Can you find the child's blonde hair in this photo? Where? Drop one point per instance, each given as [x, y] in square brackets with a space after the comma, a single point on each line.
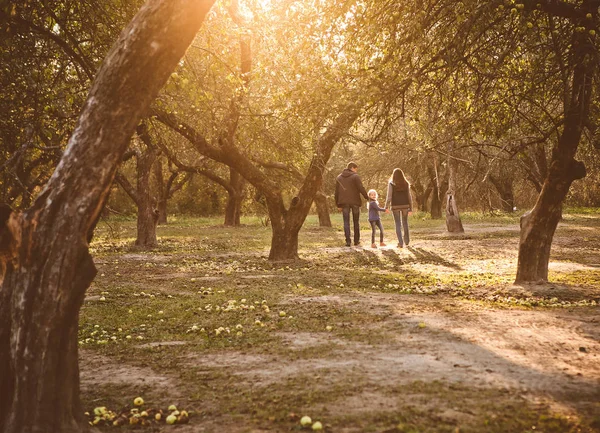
[369, 195]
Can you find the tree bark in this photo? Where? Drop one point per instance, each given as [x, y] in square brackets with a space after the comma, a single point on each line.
[161, 192]
[504, 186]
[322, 209]
[284, 243]
[538, 225]
[436, 202]
[46, 265]
[147, 214]
[233, 209]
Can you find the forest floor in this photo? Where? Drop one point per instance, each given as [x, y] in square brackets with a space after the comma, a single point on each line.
[430, 338]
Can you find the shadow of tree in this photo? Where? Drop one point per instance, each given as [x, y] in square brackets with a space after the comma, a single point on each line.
[424, 256]
[394, 257]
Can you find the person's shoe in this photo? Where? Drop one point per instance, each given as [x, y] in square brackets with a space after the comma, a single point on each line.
[357, 244]
[348, 244]
[373, 245]
[400, 246]
[382, 244]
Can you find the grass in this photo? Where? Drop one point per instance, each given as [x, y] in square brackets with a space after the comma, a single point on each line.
[209, 291]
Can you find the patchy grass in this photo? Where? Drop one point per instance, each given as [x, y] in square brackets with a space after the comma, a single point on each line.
[430, 338]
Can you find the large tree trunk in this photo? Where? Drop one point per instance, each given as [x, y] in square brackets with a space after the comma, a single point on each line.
[286, 225]
[453, 222]
[284, 243]
[46, 265]
[322, 209]
[538, 225]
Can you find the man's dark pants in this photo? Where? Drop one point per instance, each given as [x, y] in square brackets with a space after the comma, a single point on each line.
[355, 214]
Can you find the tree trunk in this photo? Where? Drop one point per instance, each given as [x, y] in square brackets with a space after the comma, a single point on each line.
[45, 262]
[286, 226]
[147, 214]
[233, 209]
[434, 182]
[425, 198]
[322, 209]
[161, 192]
[161, 208]
[504, 186]
[422, 195]
[538, 226]
[235, 197]
[453, 222]
[436, 203]
[284, 243]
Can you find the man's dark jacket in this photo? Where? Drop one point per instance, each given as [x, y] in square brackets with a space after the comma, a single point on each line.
[348, 189]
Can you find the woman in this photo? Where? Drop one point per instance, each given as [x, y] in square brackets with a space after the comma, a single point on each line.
[399, 200]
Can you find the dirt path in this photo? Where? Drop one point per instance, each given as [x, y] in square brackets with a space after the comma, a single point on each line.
[547, 355]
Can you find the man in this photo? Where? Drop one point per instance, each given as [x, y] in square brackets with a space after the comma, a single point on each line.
[348, 189]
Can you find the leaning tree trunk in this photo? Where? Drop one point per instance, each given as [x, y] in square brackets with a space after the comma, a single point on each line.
[322, 209]
[538, 225]
[286, 223]
[453, 222]
[45, 262]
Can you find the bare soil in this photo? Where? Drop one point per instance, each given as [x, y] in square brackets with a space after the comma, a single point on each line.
[447, 359]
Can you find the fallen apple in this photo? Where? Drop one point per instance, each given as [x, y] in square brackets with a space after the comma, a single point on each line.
[305, 421]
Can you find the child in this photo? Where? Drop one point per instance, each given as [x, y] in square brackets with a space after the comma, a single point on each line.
[374, 219]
